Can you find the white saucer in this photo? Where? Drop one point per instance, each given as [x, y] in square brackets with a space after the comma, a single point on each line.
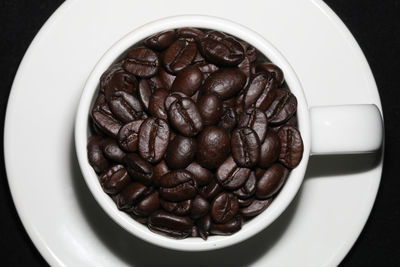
[62, 218]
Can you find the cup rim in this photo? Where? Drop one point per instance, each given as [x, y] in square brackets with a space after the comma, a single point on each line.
[250, 228]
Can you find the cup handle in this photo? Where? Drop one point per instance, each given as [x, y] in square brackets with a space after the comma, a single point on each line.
[345, 129]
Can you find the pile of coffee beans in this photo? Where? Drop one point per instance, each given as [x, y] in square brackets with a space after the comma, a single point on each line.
[194, 132]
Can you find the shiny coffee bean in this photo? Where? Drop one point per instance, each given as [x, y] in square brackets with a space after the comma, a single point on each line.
[172, 97]
[224, 82]
[177, 185]
[159, 170]
[201, 175]
[203, 225]
[271, 181]
[144, 93]
[224, 207]
[259, 173]
[179, 55]
[195, 97]
[119, 81]
[228, 118]
[291, 146]
[256, 207]
[245, 67]
[256, 120]
[188, 81]
[166, 78]
[271, 68]
[108, 74]
[245, 202]
[200, 207]
[257, 91]
[228, 228]
[112, 151]
[178, 208]
[180, 152]
[156, 104]
[147, 205]
[195, 231]
[206, 68]
[161, 40]
[185, 117]
[213, 147]
[221, 49]
[169, 224]
[139, 169]
[282, 107]
[105, 120]
[114, 179]
[270, 150]
[189, 33]
[245, 147]
[128, 136]
[153, 139]
[95, 154]
[250, 51]
[248, 189]
[125, 106]
[210, 107]
[211, 190]
[142, 62]
[231, 176]
[130, 195]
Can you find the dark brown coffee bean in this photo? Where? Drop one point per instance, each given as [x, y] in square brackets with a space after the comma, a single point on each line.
[178, 208]
[224, 207]
[271, 68]
[153, 139]
[166, 78]
[256, 207]
[206, 68]
[95, 154]
[185, 117]
[213, 147]
[258, 90]
[271, 181]
[228, 228]
[250, 51]
[189, 33]
[256, 120]
[125, 106]
[159, 170]
[169, 224]
[179, 55]
[245, 66]
[228, 118]
[211, 190]
[291, 146]
[108, 74]
[245, 147]
[225, 82]
[210, 107]
[259, 173]
[142, 62]
[180, 152]
[161, 40]
[282, 107]
[230, 176]
[130, 195]
[128, 136]
[156, 104]
[104, 119]
[270, 150]
[200, 174]
[195, 231]
[245, 202]
[177, 185]
[112, 151]
[188, 81]
[139, 169]
[200, 207]
[203, 225]
[114, 179]
[171, 98]
[144, 93]
[221, 49]
[248, 189]
[147, 205]
[119, 81]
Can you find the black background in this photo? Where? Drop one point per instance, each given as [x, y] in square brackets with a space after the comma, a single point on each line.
[375, 25]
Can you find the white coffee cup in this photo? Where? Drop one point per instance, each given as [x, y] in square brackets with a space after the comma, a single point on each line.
[325, 130]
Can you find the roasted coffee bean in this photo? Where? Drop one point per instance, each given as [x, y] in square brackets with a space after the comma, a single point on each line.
[258, 90]
[256, 120]
[125, 106]
[142, 62]
[198, 58]
[270, 150]
[282, 107]
[195, 97]
[185, 117]
[228, 228]
[271, 68]
[211, 190]
[231, 176]
[128, 136]
[95, 154]
[291, 146]
[169, 224]
[130, 195]
[248, 189]
[166, 78]
[195, 231]
[144, 93]
[108, 74]
[213, 147]
[245, 147]
[259, 173]
[105, 120]
[153, 139]
[180, 152]
[224, 82]
[228, 118]
[201, 175]
[221, 49]
[245, 202]
[179, 55]
[172, 97]
[112, 151]
[178, 208]
[200, 207]
[271, 181]
[139, 169]
[189, 33]
[118, 81]
[256, 207]
[114, 179]
[156, 104]
[224, 207]
[206, 68]
[210, 107]
[159, 170]
[177, 185]
[161, 40]
[250, 51]
[147, 205]
[239, 105]
[245, 67]
[188, 81]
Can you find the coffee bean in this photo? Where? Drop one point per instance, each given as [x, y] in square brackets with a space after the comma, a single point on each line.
[210, 107]
[259, 173]
[185, 117]
[245, 147]
[245, 202]
[172, 97]
[231, 176]
[166, 78]
[256, 120]
[201, 175]
[125, 106]
[228, 118]
[147, 205]
[224, 207]
[250, 51]
[258, 90]
[211, 190]
[178, 208]
[159, 170]
[200, 207]
[161, 40]
[119, 81]
[206, 68]
[95, 154]
[144, 93]
[169, 224]
[213, 147]
[139, 169]
[224, 82]
[188, 81]
[108, 74]
[156, 104]
[282, 107]
[195, 231]
[189, 33]
[203, 225]
[248, 189]
[271, 181]
[142, 62]
[245, 67]
[114, 179]
[270, 150]
[228, 228]
[128, 136]
[177, 185]
[112, 151]
[271, 68]
[291, 146]
[130, 195]
[105, 120]
[256, 207]
[179, 55]
[180, 152]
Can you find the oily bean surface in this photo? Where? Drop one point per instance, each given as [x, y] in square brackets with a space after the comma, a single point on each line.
[271, 181]
[112, 151]
[125, 107]
[224, 207]
[248, 189]
[95, 154]
[185, 117]
[188, 81]
[282, 107]
[291, 146]
[160, 41]
[201, 175]
[142, 62]
[179, 55]
[255, 207]
[270, 150]
[225, 82]
[114, 179]
[177, 185]
[210, 108]
[169, 224]
[180, 152]
[139, 169]
[271, 68]
[231, 176]
[228, 228]
[245, 147]
[128, 136]
[256, 120]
